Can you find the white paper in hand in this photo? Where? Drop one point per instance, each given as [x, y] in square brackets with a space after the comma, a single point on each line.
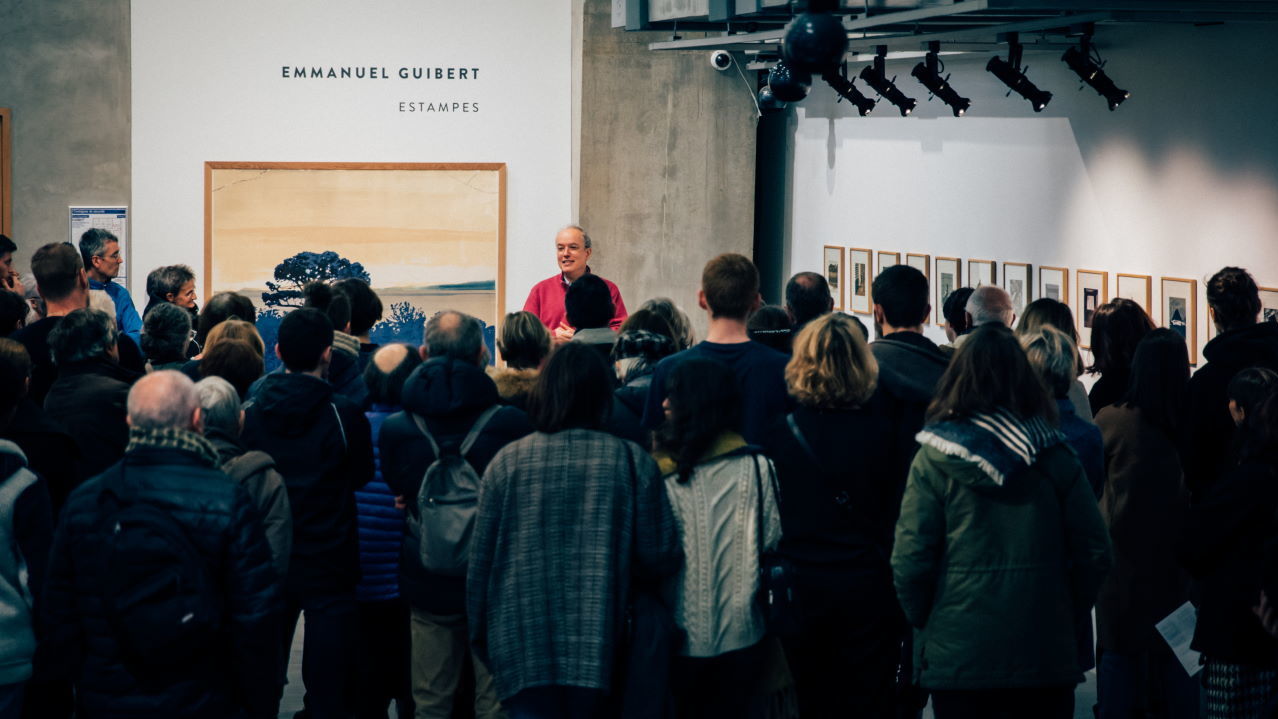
[1178, 631]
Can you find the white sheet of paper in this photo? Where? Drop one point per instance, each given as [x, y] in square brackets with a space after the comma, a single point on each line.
[1178, 631]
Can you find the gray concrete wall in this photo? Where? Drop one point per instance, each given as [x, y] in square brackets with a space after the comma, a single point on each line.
[667, 162]
[64, 71]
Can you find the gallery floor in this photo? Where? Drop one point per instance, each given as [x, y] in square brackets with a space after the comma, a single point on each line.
[1084, 698]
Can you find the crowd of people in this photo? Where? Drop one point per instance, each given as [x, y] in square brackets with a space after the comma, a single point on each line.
[792, 517]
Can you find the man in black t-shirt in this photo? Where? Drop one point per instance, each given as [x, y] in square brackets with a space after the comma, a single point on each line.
[729, 293]
[60, 279]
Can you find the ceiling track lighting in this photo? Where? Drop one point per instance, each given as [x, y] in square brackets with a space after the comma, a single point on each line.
[876, 77]
[1013, 75]
[848, 91]
[1086, 63]
[928, 72]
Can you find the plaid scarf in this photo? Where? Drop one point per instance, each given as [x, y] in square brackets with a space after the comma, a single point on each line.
[1000, 443]
[180, 439]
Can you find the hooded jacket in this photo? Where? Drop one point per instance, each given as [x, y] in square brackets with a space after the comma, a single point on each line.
[322, 446]
[449, 395]
[255, 471]
[994, 568]
[1209, 426]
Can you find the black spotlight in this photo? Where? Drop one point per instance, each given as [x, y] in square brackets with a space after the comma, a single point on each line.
[787, 83]
[928, 72]
[815, 42]
[1085, 63]
[876, 77]
[1013, 75]
[847, 91]
[767, 101]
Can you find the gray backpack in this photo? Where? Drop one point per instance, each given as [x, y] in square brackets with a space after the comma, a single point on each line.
[447, 502]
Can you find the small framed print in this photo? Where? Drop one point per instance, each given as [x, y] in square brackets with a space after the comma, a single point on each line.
[1137, 288]
[981, 272]
[886, 260]
[1053, 283]
[1268, 304]
[1018, 281]
[922, 263]
[832, 265]
[860, 272]
[949, 277]
[1093, 291]
[1179, 311]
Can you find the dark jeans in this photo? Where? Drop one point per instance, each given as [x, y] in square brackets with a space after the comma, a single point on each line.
[557, 703]
[722, 686]
[385, 647]
[1038, 702]
[328, 651]
[1148, 684]
[844, 658]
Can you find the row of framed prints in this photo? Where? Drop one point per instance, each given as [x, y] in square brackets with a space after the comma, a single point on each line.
[1178, 308]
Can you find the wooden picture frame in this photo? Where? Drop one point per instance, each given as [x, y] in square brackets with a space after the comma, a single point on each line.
[949, 277]
[6, 171]
[982, 272]
[885, 259]
[832, 267]
[920, 262]
[1137, 288]
[1018, 282]
[1268, 304]
[1179, 310]
[1093, 291]
[426, 236]
[1053, 283]
[860, 277]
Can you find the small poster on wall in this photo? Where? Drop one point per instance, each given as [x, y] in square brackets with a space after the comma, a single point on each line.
[1053, 283]
[1180, 311]
[949, 277]
[860, 266]
[886, 260]
[1093, 291]
[1136, 288]
[112, 219]
[1268, 304]
[981, 272]
[832, 265]
[1019, 283]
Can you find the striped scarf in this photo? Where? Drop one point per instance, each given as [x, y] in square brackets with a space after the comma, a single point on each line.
[1000, 443]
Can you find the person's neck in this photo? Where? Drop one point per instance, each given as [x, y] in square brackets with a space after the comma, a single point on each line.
[573, 278]
[317, 373]
[890, 330]
[727, 331]
[65, 306]
[100, 279]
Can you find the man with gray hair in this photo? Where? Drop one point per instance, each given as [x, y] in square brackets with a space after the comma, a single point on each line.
[252, 469]
[164, 511]
[88, 396]
[100, 251]
[546, 300]
[990, 304]
[450, 396]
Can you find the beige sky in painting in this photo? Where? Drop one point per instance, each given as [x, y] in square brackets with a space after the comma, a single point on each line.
[408, 227]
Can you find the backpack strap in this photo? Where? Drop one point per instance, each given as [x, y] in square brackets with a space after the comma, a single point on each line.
[341, 428]
[803, 441]
[471, 436]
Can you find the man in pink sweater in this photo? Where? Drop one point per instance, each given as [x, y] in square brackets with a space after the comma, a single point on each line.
[546, 300]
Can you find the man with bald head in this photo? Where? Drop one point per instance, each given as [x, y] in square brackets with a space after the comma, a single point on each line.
[989, 304]
[109, 539]
[449, 396]
[321, 444]
[546, 300]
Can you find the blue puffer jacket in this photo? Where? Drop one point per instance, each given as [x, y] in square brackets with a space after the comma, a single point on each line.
[381, 526]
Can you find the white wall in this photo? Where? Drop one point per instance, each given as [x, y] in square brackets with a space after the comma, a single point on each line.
[207, 86]
[1179, 181]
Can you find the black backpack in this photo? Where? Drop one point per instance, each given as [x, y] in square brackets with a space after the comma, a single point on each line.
[158, 593]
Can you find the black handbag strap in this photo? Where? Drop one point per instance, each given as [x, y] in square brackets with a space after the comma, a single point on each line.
[840, 496]
[776, 494]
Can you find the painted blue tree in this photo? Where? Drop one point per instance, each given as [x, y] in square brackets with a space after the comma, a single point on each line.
[292, 274]
[405, 324]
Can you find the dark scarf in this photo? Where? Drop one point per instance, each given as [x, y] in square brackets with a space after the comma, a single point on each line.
[1000, 443]
[179, 439]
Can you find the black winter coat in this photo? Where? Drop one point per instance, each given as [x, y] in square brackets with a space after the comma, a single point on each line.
[1210, 429]
[1223, 549]
[90, 399]
[50, 450]
[449, 395]
[322, 445]
[240, 679]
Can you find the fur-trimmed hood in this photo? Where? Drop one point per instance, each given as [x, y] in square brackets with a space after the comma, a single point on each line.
[513, 382]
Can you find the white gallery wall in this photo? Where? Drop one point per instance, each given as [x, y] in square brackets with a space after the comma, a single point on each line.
[1179, 181]
[208, 85]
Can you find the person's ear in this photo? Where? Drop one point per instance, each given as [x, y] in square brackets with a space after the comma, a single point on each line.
[241, 420]
[967, 320]
[277, 352]
[701, 300]
[758, 302]
[197, 421]
[877, 311]
[326, 357]
[170, 296]
[422, 351]
[927, 313]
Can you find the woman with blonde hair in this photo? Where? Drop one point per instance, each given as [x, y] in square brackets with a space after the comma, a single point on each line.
[839, 494]
[1047, 312]
[226, 330]
[524, 344]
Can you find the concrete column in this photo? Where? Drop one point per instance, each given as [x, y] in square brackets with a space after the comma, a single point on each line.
[667, 162]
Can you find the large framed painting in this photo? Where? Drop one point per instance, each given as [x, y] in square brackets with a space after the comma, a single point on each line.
[426, 237]
[1180, 311]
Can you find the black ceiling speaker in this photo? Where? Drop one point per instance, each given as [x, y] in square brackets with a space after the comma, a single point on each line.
[815, 42]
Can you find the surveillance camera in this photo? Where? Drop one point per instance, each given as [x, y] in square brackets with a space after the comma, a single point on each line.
[721, 60]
